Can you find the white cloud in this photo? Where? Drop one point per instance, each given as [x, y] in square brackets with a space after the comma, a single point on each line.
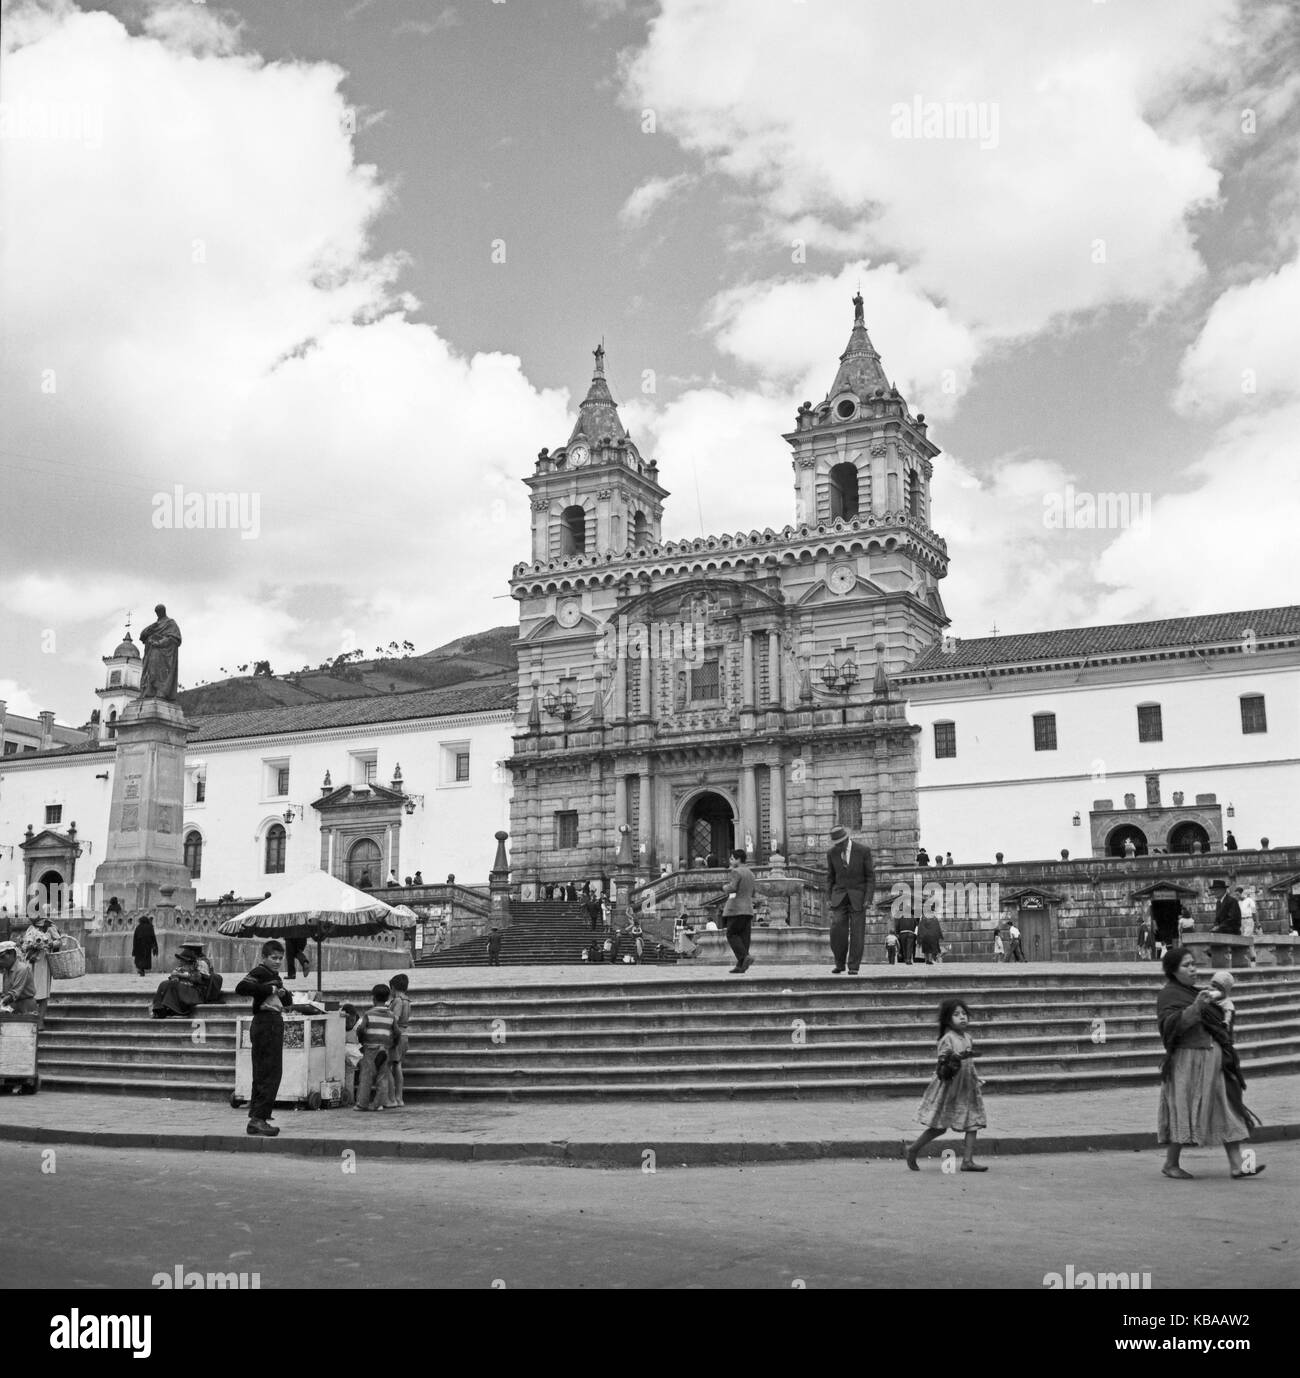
[1248, 351]
[18, 700]
[649, 196]
[802, 109]
[792, 332]
[201, 288]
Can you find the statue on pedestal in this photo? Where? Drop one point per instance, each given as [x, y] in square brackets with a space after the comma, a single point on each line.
[158, 675]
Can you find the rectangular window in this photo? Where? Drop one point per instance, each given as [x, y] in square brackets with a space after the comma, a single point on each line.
[371, 772]
[1044, 731]
[114, 677]
[566, 829]
[945, 739]
[706, 682]
[848, 809]
[1150, 728]
[53, 814]
[200, 789]
[282, 779]
[462, 766]
[1252, 713]
[453, 763]
[11, 748]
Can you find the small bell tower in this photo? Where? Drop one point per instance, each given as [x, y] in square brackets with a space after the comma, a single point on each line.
[121, 685]
[595, 495]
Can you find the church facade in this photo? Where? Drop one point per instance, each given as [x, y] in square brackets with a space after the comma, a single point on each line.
[731, 690]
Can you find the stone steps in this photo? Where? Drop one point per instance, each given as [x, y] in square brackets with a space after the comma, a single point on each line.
[548, 933]
[693, 1037]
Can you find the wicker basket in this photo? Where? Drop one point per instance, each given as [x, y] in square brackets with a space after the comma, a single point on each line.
[69, 962]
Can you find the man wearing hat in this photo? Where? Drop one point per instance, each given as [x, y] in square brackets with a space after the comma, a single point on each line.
[851, 885]
[18, 995]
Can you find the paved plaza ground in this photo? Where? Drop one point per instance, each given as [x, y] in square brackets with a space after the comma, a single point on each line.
[102, 1219]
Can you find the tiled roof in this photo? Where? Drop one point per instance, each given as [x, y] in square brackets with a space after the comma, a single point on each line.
[378, 708]
[307, 717]
[1124, 638]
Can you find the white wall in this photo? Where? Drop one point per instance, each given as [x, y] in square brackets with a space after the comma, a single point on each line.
[451, 831]
[999, 794]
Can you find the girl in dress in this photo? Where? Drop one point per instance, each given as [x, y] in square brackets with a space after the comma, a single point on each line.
[953, 1100]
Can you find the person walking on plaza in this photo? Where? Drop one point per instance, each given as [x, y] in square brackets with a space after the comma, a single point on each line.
[851, 886]
[954, 1099]
[906, 930]
[891, 948]
[1200, 1082]
[270, 1000]
[494, 947]
[18, 993]
[595, 914]
[1227, 918]
[144, 945]
[1248, 911]
[738, 911]
[931, 934]
[39, 941]
[999, 952]
[1015, 952]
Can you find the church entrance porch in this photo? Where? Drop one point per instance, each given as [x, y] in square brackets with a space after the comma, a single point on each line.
[708, 830]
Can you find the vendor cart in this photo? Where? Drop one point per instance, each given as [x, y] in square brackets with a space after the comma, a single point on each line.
[313, 1075]
[18, 1039]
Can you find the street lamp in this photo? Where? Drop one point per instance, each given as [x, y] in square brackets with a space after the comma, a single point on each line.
[839, 679]
[560, 705]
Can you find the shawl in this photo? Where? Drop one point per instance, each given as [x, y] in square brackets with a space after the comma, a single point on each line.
[1170, 1004]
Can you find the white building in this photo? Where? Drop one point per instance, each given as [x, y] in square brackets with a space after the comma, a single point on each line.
[416, 782]
[1169, 732]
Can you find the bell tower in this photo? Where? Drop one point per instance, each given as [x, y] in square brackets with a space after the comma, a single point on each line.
[595, 495]
[861, 452]
[121, 685]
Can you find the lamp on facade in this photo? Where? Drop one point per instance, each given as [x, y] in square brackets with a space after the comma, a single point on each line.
[1232, 813]
[841, 678]
[411, 801]
[560, 705]
[292, 812]
[1078, 822]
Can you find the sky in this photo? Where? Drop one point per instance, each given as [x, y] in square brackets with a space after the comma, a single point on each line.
[347, 259]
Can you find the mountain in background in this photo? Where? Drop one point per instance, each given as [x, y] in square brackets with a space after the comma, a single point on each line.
[483, 658]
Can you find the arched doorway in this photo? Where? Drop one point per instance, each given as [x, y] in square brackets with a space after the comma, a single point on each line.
[709, 825]
[51, 892]
[1185, 836]
[364, 860]
[1115, 842]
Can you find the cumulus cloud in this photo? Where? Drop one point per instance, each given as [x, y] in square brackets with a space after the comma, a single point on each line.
[197, 303]
[785, 330]
[1248, 351]
[1042, 186]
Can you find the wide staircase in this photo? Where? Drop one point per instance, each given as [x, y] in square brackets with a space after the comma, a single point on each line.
[548, 933]
[700, 1038]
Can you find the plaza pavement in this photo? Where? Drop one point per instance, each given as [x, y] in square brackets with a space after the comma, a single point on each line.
[612, 1133]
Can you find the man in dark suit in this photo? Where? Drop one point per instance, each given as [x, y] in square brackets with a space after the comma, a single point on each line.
[851, 886]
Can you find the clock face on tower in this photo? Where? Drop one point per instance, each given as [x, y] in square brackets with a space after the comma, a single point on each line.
[578, 455]
[842, 579]
[568, 613]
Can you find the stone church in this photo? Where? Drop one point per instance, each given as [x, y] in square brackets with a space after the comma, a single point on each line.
[730, 690]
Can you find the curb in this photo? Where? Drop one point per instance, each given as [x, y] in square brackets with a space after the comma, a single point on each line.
[578, 1153]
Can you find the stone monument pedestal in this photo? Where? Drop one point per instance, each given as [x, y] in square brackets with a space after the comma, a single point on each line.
[145, 848]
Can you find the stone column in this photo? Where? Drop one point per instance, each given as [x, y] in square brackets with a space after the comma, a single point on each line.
[647, 819]
[778, 809]
[747, 670]
[620, 688]
[774, 668]
[620, 801]
[648, 663]
[748, 808]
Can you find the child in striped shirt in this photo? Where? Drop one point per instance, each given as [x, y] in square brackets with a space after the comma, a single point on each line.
[400, 1004]
[377, 1030]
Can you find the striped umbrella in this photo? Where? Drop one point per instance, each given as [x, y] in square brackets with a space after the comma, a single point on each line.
[315, 906]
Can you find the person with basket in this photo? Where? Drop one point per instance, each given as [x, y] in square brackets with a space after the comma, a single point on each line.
[40, 940]
[954, 1099]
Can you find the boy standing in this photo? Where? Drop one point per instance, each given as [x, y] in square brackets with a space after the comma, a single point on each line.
[377, 1030]
[270, 999]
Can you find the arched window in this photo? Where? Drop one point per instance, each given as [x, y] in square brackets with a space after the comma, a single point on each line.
[363, 863]
[640, 531]
[573, 531]
[844, 491]
[112, 722]
[914, 495]
[194, 855]
[275, 850]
